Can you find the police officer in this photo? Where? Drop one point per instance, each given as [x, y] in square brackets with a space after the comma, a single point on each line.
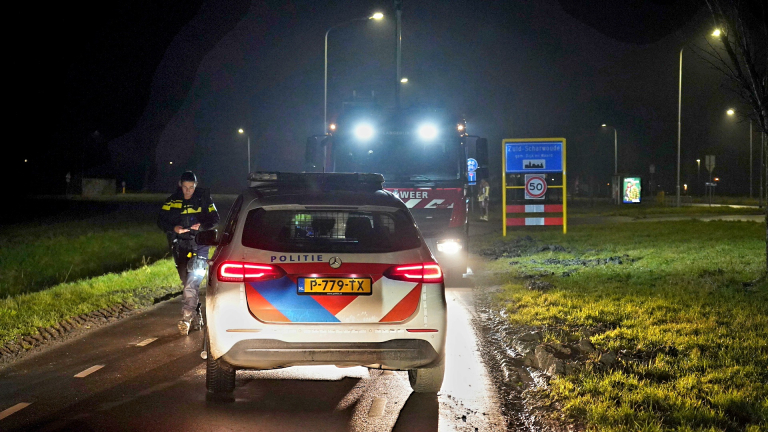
[184, 213]
[484, 197]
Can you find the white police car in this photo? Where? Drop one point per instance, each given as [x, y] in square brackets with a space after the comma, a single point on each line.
[323, 269]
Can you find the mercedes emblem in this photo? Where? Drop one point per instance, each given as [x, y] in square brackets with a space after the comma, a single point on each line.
[335, 262]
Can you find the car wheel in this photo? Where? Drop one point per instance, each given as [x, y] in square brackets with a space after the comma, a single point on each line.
[219, 375]
[429, 379]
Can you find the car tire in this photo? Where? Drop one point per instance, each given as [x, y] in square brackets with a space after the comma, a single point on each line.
[429, 379]
[219, 375]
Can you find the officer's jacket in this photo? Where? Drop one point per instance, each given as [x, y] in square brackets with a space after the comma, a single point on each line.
[178, 211]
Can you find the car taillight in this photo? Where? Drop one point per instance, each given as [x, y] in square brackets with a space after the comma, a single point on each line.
[426, 272]
[234, 271]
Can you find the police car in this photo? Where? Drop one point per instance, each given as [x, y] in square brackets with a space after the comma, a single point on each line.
[323, 269]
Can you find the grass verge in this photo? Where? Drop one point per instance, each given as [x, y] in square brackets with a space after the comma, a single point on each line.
[33, 258]
[24, 314]
[679, 306]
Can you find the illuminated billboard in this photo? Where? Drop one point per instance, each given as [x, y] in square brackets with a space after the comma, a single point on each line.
[631, 190]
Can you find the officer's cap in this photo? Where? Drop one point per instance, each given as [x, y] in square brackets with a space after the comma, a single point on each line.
[188, 176]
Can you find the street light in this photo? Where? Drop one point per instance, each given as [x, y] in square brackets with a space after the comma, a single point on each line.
[241, 131]
[716, 33]
[698, 173]
[376, 16]
[615, 158]
[615, 146]
[731, 112]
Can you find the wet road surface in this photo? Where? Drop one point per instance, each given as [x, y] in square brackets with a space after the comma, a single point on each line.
[139, 374]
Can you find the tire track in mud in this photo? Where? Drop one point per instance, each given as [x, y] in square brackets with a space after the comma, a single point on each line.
[505, 364]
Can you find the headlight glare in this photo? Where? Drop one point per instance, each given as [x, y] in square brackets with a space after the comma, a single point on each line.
[449, 246]
[363, 131]
[427, 132]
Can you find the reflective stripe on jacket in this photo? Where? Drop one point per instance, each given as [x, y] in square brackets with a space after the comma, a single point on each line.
[178, 211]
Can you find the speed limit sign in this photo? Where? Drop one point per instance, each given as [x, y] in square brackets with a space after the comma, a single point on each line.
[535, 186]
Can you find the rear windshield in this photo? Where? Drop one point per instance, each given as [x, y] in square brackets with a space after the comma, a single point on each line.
[330, 231]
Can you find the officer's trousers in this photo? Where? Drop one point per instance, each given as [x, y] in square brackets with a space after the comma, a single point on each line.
[191, 266]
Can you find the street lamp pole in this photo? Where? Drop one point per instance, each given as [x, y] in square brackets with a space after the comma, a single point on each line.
[376, 16]
[249, 149]
[615, 154]
[679, 123]
[398, 47]
[731, 112]
[698, 174]
[715, 33]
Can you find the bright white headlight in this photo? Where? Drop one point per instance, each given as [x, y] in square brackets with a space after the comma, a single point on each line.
[363, 131]
[448, 246]
[427, 132]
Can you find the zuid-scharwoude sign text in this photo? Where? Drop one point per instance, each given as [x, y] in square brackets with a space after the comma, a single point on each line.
[535, 156]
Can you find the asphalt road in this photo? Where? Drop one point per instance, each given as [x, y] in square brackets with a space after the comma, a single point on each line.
[139, 374]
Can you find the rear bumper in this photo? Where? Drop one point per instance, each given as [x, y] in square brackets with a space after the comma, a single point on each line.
[271, 353]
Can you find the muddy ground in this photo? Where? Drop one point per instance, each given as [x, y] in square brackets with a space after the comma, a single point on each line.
[520, 363]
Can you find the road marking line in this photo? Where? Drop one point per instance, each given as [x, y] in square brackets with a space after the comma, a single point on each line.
[377, 407]
[14, 409]
[146, 342]
[89, 371]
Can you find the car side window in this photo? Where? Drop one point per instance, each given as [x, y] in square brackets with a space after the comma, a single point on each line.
[231, 224]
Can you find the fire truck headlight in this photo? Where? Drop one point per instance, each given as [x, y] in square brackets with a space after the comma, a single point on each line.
[363, 131]
[427, 132]
[449, 246]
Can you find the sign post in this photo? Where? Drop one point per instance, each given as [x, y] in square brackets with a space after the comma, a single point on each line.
[535, 165]
[709, 163]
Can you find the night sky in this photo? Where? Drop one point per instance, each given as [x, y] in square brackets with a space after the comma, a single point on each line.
[120, 90]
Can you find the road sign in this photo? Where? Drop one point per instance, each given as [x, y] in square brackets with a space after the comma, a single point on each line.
[709, 162]
[472, 177]
[535, 187]
[471, 165]
[534, 156]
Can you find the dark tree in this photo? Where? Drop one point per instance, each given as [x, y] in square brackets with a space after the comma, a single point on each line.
[744, 59]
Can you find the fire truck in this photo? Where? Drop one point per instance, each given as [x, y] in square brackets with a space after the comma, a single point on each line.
[428, 160]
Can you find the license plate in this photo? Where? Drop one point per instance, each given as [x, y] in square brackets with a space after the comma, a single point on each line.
[334, 286]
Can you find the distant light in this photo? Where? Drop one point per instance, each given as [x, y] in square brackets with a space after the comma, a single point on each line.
[364, 131]
[717, 178]
[377, 16]
[698, 160]
[716, 33]
[170, 163]
[26, 160]
[460, 127]
[605, 125]
[403, 80]
[730, 112]
[427, 132]
[241, 131]
[685, 187]
[370, 151]
[332, 126]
